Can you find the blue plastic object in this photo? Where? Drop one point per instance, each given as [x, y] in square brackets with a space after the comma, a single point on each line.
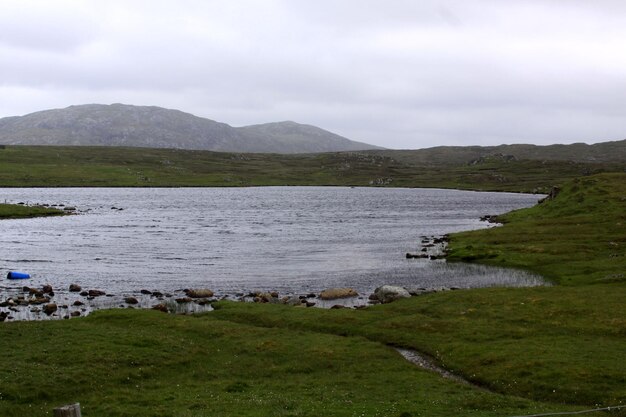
[17, 275]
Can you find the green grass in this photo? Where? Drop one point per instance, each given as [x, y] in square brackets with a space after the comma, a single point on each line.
[578, 238]
[555, 348]
[17, 211]
[146, 363]
[47, 166]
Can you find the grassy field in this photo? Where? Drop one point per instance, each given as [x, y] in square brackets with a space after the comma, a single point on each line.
[43, 166]
[526, 350]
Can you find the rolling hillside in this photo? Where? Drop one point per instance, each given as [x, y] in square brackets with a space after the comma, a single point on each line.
[155, 127]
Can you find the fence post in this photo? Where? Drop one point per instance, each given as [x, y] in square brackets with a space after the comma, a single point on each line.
[71, 410]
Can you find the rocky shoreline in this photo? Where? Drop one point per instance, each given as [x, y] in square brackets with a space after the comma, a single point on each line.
[45, 302]
[29, 303]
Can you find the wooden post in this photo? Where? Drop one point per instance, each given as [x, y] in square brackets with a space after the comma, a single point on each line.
[71, 410]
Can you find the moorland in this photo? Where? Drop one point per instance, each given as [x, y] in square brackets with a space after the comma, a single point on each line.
[522, 351]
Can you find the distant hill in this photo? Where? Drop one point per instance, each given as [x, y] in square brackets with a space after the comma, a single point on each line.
[156, 127]
[604, 152]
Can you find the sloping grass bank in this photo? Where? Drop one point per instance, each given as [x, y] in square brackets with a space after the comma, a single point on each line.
[146, 363]
[578, 238]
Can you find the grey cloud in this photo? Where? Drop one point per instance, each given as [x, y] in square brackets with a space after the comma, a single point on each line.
[400, 74]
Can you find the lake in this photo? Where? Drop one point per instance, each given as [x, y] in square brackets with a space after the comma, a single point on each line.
[234, 240]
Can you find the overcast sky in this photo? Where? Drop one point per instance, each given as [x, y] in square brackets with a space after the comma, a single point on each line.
[395, 73]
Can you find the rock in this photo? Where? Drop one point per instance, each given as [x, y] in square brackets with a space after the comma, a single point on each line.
[267, 297]
[389, 293]
[146, 292]
[131, 300]
[36, 292]
[184, 300]
[3, 315]
[274, 294]
[75, 288]
[75, 314]
[292, 301]
[442, 239]
[69, 208]
[416, 256]
[47, 289]
[161, 307]
[78, 303]
[337, 307]
[309, 304]
[157, 294]
[199, 293]
[554, 192]
[95, 293]
[84, 293]
[334, 293]
[49, 308]
[39, 300]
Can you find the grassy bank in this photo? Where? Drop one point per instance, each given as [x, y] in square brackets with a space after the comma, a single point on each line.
[43, 166]
[579, 238]
[565, 343]
[17, 211]
[558, 348]
[146, 363]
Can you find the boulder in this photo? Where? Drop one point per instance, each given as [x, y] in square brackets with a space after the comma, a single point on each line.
[47, 289]
[184, 300]
[49, 308]
[36, 292]
[75, 288]
[291, 300]
[95, 293]
[161, 307]
[199, 293]
[39, 300]
[334, 293]
[131, 300]
[389, 293]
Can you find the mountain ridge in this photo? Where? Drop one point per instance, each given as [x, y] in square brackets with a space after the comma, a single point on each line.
[156, 127]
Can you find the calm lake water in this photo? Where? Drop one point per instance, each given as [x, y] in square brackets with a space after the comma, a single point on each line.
[289, 239]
